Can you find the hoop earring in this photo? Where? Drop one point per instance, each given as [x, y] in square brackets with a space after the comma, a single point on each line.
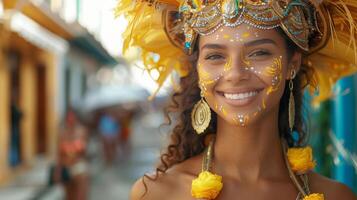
[201, 115]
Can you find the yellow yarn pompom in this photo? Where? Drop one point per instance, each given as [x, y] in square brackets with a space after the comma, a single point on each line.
[314, 196]
[206, 186]
[301, 159]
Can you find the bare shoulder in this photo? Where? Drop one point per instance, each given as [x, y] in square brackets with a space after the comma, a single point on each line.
[173, 184]
[330, 188]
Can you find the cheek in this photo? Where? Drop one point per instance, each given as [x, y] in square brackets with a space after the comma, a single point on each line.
[274, 76]
[207, 70]
[271, 74]
[209, 75]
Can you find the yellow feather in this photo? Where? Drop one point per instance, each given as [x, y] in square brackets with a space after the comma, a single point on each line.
[198, 4]
[146, 30]
[339, 57]
[171, 2]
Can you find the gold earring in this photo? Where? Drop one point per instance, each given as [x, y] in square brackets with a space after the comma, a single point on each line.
[201, 115]
[291, 102]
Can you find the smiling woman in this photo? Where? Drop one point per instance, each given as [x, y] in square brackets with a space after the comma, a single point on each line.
[244, 65]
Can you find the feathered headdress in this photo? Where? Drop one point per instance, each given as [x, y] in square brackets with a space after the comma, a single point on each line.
[166, 31]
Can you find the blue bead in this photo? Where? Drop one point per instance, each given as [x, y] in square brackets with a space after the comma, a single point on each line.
[187, 45]
[295, 135]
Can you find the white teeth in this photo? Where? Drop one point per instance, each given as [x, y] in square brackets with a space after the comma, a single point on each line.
[240, 96]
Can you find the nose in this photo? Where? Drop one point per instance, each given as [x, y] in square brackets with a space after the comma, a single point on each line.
[235, 70]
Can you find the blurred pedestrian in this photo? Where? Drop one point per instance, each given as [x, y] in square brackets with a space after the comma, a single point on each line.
[109, 129]
[123, 138]
[72, 167]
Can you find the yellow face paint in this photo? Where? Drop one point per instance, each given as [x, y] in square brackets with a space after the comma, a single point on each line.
[203, 74]
[226, 36]
[228, 66]
[205, 77]
[246, 35]
[237, 37]
[246, 62]
[215, 105]
[221, 109]
[235, 121]
[241, 120]
[274, 71]
[208, 78]
[264, 104]
[224, 111]
[248, 66]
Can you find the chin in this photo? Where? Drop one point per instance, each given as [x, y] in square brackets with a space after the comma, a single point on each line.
[233, 120]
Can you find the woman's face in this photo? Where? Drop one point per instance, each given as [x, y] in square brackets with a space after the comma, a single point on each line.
[242, 72]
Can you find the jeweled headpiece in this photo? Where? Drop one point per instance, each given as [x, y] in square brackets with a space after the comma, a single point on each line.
[296, 17]
[166, 31]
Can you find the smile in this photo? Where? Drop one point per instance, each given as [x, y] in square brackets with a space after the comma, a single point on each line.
[240, 96]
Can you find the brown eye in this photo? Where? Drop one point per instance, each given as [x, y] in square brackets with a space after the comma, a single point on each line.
[260, 53]
[214, 57]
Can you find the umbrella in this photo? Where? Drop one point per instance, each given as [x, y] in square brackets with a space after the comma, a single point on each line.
[108, 96]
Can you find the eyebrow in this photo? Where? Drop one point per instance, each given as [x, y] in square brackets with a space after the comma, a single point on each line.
[248, 44]
[213, 46]
[259, 42]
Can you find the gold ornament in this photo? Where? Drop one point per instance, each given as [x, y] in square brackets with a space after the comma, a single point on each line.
[201, 116]
[291, 102]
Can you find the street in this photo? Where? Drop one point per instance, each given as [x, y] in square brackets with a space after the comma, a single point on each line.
[109, 183]
[114, 183]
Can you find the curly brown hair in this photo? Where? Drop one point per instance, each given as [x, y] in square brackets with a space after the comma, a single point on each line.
[185, 143]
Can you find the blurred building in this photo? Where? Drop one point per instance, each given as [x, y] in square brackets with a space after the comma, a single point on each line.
[45, 63]
[334, 133]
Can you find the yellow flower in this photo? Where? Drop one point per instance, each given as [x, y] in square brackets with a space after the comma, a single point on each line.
[301, 159]
[314, 196]
[206, 186]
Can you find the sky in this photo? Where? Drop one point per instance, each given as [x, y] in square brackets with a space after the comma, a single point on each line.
[111, 28]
